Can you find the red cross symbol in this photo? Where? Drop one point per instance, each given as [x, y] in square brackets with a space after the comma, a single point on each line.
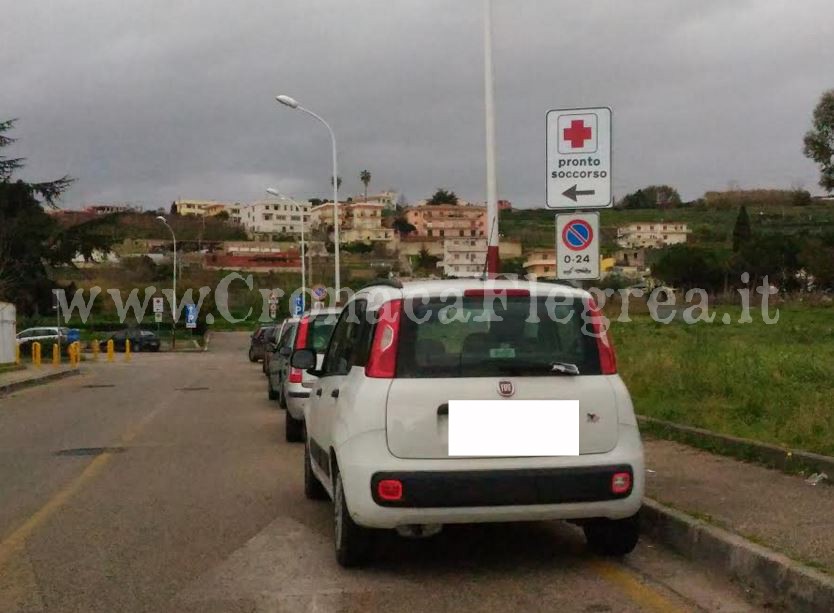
[577, 134]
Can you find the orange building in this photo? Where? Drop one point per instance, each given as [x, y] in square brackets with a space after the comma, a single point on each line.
[448, 220]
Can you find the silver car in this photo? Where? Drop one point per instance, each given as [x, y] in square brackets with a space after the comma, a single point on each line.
[291, 386]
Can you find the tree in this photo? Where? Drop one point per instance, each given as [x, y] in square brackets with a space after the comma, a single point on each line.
[426, 261]
[687, 267]
[402, 226]
[741, 231]
[365, 177]
[652, 197]
[31, 240]
[442, 196]
[49, 191]
[819, 140]
[338, 182]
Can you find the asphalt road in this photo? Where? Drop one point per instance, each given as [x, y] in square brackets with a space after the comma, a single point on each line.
[165, 485]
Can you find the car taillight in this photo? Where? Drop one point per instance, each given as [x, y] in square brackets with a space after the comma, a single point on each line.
[295, 375]
[620, 483]
[605, 346]
[390, 489]
[301, 337]
[382, 361]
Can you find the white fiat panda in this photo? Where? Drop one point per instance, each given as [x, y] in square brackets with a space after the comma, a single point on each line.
[382, 408]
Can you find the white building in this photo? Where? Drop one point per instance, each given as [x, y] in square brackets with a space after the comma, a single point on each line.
[269, 218]
[207, 208]
[652, 234]
[464, 257]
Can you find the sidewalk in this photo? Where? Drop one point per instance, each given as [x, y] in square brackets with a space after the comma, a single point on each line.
[778, 511]
[14, 380]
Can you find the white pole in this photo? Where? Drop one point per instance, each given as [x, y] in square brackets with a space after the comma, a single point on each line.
[336, 240]
[489, 108]
[303, 259]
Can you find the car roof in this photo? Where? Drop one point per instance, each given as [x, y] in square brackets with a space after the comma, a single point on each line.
[411, 289]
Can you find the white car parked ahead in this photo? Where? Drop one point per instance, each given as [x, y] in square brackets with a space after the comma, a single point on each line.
[378, 418]
[291, 386]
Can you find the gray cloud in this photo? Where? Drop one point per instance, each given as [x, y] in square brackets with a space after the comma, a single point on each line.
[147, 101]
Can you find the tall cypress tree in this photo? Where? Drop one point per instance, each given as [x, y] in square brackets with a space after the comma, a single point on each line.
[741, 231]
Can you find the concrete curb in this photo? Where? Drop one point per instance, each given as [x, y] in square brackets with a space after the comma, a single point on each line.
[785, 582]
[8, 388]
[788, 460]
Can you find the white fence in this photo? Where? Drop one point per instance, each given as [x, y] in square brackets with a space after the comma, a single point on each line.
[8, 326]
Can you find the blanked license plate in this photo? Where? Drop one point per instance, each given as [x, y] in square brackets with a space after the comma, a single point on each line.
[513, 428]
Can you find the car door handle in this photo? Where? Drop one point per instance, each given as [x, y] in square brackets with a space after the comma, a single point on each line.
[443, 409]
[318, 392]
[335, 393]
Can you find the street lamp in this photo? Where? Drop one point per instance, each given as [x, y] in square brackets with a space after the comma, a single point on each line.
[293, 104]
[174, 299]
[278, 194]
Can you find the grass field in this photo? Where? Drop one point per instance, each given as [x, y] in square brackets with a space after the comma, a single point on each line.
[772, 383]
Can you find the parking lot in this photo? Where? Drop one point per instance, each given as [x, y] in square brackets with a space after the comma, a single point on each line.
[165, 484]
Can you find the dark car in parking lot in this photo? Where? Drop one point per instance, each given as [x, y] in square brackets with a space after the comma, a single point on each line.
[140, 340]
[260, 340]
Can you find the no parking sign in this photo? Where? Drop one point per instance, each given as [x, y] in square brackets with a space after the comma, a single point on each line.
[577, 246]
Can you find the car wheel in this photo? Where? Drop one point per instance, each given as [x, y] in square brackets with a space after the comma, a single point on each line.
[313, 489]
[613, 537]
[293, 428]
[252, 357]
[353, 542]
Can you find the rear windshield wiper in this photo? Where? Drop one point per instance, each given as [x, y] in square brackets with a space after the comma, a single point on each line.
[564, 368]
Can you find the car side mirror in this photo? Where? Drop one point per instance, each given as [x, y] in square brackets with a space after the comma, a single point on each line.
[303, 359]
[285, 351]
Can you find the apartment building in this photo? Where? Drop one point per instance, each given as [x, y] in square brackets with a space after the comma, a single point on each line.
[541, 264]
[358, 221]
[652, 234]
[464, 257]
[267, 219]
[199, 208]
[448, 220]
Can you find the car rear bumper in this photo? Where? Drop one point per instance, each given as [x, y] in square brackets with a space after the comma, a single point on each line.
[473, 490]
[493, 488]
[296, 398]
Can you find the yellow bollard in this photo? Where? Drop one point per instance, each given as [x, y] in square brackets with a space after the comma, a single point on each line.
[77, 353]
[36, 354]
[127, 350]
[56, 354]
[96, 349]
[72, 351]
[111, 351]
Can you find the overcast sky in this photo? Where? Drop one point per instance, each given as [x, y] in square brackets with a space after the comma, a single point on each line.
[146, 101]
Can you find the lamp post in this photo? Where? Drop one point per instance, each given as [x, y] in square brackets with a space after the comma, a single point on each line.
[293, 104]
[174, 298]
[278, 194]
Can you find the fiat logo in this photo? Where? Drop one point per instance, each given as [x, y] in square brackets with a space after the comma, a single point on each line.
[506, 388]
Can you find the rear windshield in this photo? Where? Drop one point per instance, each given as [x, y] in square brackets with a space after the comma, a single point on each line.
[319, 331]
[466, 339]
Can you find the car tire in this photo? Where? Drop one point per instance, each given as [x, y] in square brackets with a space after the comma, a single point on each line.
[293, 428]
[313, 489]
[613, 537]
[252, 357]
[353, 542]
